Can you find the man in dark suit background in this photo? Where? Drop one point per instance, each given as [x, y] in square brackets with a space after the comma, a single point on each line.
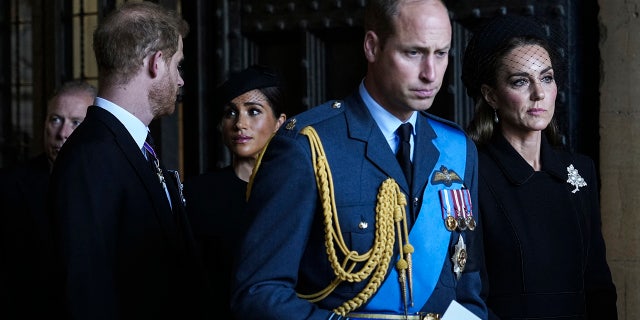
[123, 245]
[23, 193]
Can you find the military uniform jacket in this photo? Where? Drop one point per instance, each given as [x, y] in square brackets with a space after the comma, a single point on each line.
[122, 251]
[545, 253]
[284, 250]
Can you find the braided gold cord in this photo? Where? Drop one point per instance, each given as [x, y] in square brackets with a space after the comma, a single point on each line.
[255, 167]
[390, 210]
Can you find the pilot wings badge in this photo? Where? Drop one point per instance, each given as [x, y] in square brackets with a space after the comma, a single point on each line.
[445, 176]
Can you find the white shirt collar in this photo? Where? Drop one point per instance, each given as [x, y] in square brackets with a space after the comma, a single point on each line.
[387, 122]
[136, 128]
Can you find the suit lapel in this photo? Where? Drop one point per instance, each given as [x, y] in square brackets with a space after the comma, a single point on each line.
[425, 154]
[362, 127]
[134, 155]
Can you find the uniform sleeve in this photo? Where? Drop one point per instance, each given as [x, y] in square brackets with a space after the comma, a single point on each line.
[282, 204]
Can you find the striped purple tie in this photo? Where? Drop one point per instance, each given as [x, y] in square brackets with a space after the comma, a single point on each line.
[153, 158]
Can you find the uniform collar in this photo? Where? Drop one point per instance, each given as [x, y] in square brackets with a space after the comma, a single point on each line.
[387, 122]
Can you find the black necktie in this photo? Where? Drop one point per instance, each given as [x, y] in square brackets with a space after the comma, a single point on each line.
[404, 150]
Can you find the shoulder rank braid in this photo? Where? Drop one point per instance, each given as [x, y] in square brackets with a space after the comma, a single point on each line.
[390, 216]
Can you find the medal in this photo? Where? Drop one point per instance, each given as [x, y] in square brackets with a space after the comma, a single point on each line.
[450, 222]
[176, 176]
[459, 257]
[457, 201]
[459, 209]
[159, 172]
[471, 222]
[462, 223]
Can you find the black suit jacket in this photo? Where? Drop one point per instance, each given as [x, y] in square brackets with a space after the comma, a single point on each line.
[123, 252]
[24, 240]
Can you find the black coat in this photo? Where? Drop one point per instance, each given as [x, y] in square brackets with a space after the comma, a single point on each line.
[124, 252]
[215, 207]
[545, 253]
[24, 240]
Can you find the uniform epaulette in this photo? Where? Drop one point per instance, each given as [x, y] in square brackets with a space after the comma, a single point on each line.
[316, 114]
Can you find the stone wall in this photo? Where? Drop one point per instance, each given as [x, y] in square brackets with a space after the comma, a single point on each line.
[620, 147]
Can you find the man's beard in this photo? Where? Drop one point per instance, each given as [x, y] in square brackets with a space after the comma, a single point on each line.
[162, 97]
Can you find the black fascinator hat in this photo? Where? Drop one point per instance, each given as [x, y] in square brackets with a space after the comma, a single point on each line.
[491, 39]
[253, 77]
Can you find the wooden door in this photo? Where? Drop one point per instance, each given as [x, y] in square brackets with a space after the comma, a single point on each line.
[317, 47]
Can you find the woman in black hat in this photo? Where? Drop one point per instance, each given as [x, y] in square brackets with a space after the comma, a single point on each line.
[250, 104]
[545, 254]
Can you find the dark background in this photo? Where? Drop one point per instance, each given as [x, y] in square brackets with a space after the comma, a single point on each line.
[315, 45]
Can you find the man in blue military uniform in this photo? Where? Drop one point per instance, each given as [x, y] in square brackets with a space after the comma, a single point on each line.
[339, 230]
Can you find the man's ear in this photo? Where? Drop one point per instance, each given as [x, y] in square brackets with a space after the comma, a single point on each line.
[489, 95]
[371, 45]
[156, 61]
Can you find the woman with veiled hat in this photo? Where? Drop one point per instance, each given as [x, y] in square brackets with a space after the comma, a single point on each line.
[545, 253]
[250, 104]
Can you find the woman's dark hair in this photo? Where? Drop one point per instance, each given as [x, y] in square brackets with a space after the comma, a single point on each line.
[276, 98]
[482, 59]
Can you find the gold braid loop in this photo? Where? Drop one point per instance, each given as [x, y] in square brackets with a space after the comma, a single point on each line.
[390, 214]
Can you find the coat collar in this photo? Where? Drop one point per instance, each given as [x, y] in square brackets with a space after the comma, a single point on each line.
[516, 169]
